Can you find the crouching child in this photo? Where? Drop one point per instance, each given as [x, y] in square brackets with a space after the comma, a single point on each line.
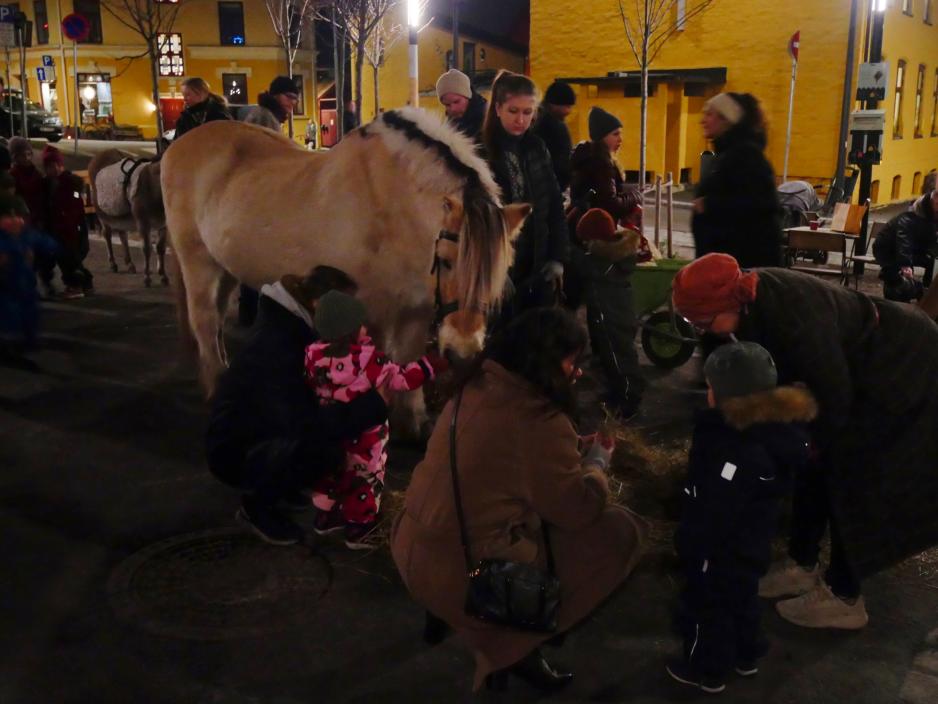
[746, 448]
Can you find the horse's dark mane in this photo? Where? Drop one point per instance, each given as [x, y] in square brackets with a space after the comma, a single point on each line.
[413, 132]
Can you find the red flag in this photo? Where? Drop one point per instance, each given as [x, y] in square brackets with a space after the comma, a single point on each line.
[793, 44]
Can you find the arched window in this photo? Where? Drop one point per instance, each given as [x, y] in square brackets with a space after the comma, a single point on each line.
[896, 187]
[897, 108]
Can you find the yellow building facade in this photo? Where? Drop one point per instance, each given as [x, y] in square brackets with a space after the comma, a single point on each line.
[231, 45]
[742, 45]
[435, 44]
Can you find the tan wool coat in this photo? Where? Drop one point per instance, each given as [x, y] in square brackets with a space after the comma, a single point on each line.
[518, 465]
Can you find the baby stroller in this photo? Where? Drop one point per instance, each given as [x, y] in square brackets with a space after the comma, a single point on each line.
[800, 206]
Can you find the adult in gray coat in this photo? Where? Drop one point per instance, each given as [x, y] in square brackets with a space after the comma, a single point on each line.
[276, 105]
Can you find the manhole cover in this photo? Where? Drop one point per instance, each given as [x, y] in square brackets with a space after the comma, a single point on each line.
[218, 584]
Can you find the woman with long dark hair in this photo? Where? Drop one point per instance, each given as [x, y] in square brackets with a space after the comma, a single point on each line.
[524, 171]
[736, 208]
[519, 468]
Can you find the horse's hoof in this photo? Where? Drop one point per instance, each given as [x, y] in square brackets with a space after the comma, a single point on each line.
[114, 267]
[146, 282]
[131, 269]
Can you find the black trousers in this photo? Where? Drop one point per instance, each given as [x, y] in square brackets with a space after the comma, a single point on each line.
[605, 288]
[274, 468]
[720, 617]
[811, 517]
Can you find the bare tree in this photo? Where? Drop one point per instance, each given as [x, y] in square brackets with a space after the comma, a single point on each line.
[288, 18]
[649, 24]
[150, 19]
[384, 37]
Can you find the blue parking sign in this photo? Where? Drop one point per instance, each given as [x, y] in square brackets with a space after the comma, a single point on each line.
[7, 13]
[47, 60]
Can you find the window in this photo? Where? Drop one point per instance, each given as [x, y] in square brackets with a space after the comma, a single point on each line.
[916, 182]
[896, 187]
[907, 7]
[468, 58]
[231, 23]
[301, 96]
[897, 109]
[235, 87]
[874, 192]
[934, 108]
[927, 12]
[919, 99]
[94, 90]
[91, 10]
[42, 21]
[171, 61]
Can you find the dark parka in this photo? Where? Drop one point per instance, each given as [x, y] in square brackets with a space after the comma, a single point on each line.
[208, 110]
[555, 135]
[742, 215]
[909, 239]
[265, 421]
[64, 212]
[594, 170]
[470, 124]
[872, 365]
[544, 236]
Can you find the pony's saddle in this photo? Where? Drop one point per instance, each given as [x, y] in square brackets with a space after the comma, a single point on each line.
[116, 185]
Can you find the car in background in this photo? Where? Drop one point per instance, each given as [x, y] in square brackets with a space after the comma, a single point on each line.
[39, 121]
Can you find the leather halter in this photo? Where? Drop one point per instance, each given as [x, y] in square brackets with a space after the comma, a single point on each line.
[441, 309]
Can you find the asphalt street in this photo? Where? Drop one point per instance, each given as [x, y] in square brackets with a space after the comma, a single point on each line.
[126, 579]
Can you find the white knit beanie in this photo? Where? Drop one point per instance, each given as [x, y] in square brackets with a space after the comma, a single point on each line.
[454, 81]
[724, 105]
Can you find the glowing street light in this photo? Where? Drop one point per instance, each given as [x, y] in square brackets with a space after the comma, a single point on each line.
[413, 20]
[880, 5]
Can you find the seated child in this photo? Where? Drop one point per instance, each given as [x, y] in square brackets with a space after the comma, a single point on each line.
[746, 448]
[340, 367]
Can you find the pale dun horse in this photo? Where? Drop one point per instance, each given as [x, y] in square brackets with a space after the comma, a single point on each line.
[246, 204]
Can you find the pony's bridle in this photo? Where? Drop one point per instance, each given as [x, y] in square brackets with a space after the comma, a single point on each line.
[441, 310]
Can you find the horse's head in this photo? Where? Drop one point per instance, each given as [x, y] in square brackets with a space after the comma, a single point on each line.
[470, 267]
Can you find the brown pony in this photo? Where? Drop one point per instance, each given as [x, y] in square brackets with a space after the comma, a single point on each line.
[403, 205]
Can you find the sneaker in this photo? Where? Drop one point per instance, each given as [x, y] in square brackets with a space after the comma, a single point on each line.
[747, 669]
[682, 672]
[821, 608]
[327, 522]
[788, 578]
[269, 525]
[358, 536]
[72, 293]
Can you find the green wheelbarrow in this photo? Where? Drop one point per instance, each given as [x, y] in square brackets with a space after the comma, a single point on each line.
[668, 339]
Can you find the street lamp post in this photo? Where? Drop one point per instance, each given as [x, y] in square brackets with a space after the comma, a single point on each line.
[413, 20]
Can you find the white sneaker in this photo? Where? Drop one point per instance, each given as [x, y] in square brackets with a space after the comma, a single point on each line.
[821, 608]
[787, 578]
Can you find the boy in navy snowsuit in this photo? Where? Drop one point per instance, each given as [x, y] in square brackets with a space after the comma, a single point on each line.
[746, 448]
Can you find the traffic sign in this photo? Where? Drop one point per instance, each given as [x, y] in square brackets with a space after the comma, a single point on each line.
[7, 35]
[8, 13]
[45, 74]
[47, 60]
[76, 27]
[794, 44]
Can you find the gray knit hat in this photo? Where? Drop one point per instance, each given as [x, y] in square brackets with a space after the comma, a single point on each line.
[18, 145]
[602, 123]
[740, 369]
[338, 315]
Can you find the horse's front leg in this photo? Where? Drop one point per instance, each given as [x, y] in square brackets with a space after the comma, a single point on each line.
[108, 233]
[143, 227]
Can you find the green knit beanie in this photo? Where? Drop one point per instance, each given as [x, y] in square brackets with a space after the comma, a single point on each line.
[338, 315]
[740, 369]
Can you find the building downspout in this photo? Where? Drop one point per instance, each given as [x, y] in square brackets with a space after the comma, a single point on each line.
[846, 108]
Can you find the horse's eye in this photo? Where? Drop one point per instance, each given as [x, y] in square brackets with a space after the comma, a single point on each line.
[446, 264]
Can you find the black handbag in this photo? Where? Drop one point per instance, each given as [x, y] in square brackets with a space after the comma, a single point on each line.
[514, 594]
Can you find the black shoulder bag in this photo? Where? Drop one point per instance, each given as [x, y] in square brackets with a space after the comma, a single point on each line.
[508, 593]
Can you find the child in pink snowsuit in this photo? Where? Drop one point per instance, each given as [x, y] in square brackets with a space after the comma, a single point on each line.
[341, 366]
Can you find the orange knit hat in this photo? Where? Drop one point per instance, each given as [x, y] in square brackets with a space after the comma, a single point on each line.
[712, 285]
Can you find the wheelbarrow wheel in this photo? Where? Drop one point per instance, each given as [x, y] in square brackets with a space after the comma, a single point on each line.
[658, 340]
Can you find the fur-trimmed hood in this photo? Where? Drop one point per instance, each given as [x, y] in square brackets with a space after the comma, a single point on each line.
[785, 404]
[625, 246]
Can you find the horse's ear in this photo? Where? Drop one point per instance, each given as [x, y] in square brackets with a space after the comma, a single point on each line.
[515, 215]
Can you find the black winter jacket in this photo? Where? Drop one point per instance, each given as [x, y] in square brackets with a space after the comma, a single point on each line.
[206, 111]
[742, 463]
[263, 395]
[742, 215]
[470, 124]
[555, 135]
[544, 235]
[909, 239]
[594, 170]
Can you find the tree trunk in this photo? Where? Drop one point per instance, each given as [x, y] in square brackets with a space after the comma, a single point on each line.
[643, 130]
[155, 79]
[377, 101]
[289, 44]
[314, 78]
[360, 56]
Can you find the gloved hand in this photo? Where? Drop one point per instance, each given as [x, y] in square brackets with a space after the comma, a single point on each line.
[600, 453]
[552, 272]
[437, 362]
